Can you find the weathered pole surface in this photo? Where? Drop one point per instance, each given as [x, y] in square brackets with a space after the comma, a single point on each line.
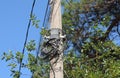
[56, 70]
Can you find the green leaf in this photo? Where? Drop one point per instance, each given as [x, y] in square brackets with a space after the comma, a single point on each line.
[19, 56]
[31, 46]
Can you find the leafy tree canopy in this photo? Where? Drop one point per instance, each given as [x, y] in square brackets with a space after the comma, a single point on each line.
[92, 28]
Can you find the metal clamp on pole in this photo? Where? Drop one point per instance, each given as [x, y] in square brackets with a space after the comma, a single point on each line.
[56, 33]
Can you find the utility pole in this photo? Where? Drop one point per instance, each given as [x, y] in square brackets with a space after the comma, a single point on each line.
[56, 70]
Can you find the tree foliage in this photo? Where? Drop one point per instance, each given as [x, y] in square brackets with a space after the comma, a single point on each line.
[92, 28]
[92, 32]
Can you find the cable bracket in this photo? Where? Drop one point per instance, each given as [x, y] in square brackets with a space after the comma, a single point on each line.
[52, 47]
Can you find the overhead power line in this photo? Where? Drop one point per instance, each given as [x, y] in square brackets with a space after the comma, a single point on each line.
[46, 12]
[43, 25]
[26, 37]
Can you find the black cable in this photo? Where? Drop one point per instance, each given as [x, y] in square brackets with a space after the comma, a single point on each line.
[28, 27]
[46, 13]
[52, 70]
[43, 25]
[40, 39]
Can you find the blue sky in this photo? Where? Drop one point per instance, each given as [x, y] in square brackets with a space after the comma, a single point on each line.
[14, 16]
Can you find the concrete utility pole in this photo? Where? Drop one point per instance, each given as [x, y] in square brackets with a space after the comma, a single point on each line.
[56, 70]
